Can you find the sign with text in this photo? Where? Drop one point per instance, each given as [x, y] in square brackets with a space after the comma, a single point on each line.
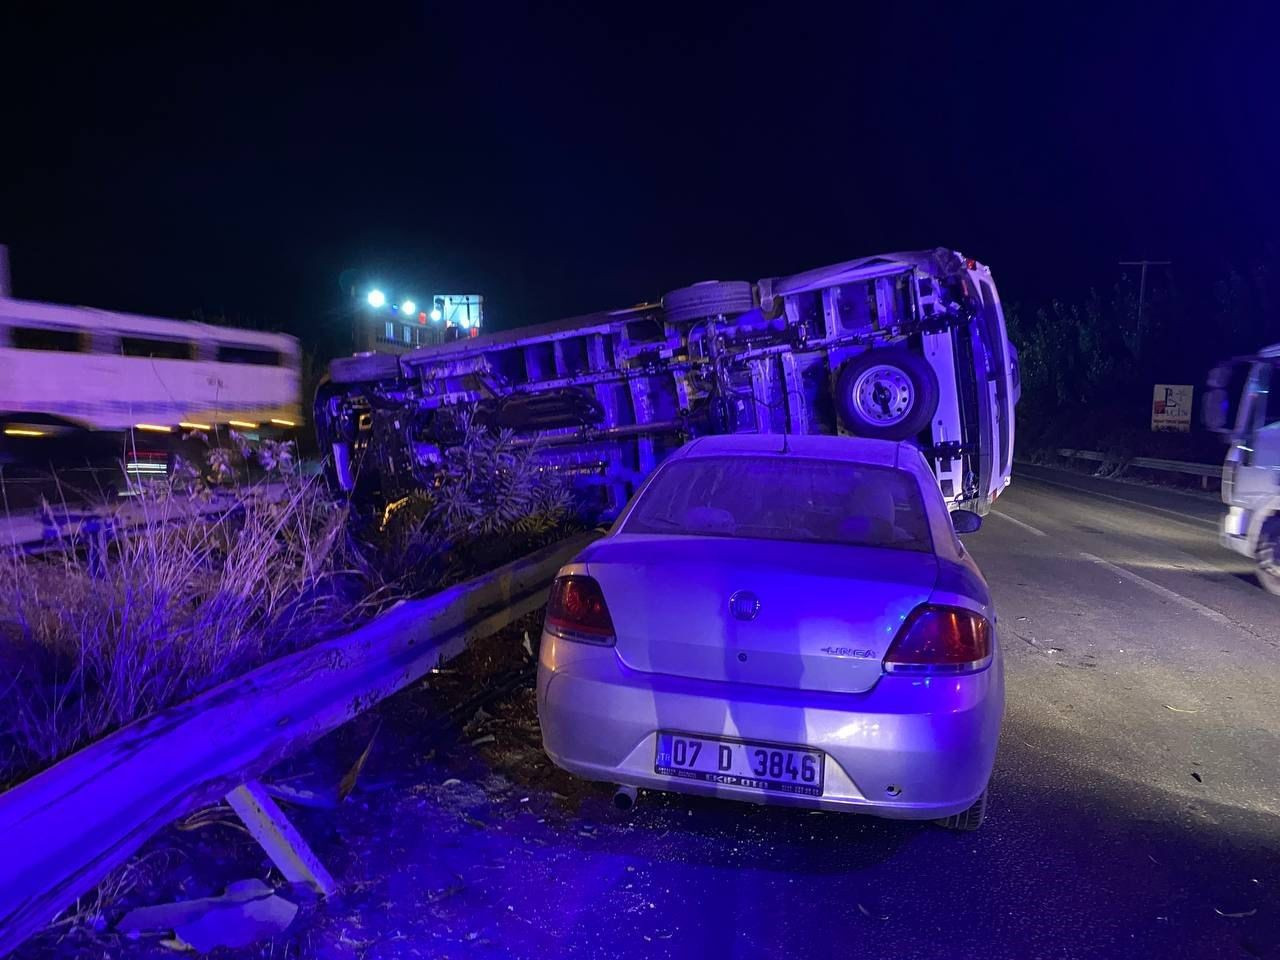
[1171, 407]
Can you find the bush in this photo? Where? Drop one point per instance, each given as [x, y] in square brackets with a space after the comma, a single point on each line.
[493, 501]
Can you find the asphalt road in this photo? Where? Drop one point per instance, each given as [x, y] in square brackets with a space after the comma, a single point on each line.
[1136, 805]
[1137, 791]
[1136, 797]
[1135, 810]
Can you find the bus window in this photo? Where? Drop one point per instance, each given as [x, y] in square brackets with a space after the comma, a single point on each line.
[45, 338]
[158, 349]
[258, 356]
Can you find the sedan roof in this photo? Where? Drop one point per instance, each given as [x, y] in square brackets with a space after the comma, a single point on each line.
[885, 453]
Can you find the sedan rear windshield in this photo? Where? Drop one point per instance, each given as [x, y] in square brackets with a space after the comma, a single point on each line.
[784, 498]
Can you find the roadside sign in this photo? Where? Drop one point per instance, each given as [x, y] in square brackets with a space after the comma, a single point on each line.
[1171, 407]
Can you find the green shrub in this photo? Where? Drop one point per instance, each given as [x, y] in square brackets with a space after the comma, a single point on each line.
[492, 502]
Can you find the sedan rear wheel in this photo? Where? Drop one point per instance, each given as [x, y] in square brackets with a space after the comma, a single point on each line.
[968, 820]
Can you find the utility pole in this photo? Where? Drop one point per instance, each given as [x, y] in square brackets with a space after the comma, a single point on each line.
[1142, 286]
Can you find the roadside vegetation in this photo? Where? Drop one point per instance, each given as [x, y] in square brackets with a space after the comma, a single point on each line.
[494, 502]
[107, 626]
[1089, 365]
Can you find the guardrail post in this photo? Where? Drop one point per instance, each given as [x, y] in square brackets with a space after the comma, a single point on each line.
[268, 825]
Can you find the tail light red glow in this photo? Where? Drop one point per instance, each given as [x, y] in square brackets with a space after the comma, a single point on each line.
[936, 639]
[576, 611]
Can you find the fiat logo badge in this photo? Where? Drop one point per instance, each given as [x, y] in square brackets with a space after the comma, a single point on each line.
[744, 605]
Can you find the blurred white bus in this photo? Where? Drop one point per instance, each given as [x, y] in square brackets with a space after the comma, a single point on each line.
[74, 381]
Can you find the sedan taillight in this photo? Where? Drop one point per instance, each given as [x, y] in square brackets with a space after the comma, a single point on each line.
[576, 611]
[938, 639]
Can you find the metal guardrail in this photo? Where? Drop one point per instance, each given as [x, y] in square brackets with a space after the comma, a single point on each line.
[68, 827]
[1205, 471]
[34, 530]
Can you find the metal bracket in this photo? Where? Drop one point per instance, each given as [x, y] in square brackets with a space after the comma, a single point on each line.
[267, 824]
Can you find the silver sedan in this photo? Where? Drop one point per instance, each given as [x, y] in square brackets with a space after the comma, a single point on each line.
[780, 622]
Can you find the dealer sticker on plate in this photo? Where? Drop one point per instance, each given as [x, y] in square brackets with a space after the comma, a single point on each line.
[740, 763]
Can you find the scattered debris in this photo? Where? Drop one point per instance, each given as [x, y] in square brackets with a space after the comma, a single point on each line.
[168, 916]
[1169, 706]
[247, 911]
[447, 892]
[451, 782]
[218, 815]
[348, 782]
[867, 913]
[487, 738]
[240, 924]
[302, 797]
[1235, 916]
[528, 646]
[1196, 777]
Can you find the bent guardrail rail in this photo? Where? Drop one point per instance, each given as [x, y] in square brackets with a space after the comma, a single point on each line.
[33, 530]
[67, 827]
[1205, 471]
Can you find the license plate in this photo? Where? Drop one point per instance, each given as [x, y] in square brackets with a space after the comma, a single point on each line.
[740, 763]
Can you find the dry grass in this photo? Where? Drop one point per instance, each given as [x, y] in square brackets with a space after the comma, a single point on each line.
[103, 630]
[107, 628]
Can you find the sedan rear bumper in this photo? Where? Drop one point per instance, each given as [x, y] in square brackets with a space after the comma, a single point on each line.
[910, 748]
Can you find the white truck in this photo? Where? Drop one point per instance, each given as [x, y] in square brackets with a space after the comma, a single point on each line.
[1242, 403]
[900, 346]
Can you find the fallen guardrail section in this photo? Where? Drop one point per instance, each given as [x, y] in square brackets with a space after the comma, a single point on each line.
[68, 827]
[1205, 471]
[36, 530]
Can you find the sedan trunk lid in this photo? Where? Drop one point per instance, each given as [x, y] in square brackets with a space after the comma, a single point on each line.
[808, 616]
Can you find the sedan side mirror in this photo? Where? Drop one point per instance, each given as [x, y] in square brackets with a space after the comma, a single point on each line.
[966, 521]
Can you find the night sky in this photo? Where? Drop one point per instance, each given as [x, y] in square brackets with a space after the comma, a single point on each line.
[561, 159]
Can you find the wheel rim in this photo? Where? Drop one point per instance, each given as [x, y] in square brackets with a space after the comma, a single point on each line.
[883, 395]
[1269, 559]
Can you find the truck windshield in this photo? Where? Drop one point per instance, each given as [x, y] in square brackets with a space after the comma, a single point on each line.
[784, 498]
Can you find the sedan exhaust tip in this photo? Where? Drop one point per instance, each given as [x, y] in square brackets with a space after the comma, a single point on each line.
[624, 797]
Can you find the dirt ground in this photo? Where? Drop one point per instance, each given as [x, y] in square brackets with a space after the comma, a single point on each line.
[455, 765]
